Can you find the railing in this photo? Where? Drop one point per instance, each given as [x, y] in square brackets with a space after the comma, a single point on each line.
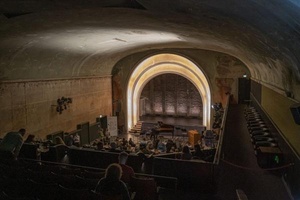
[221, 134]
[241, 195]
[161, 181]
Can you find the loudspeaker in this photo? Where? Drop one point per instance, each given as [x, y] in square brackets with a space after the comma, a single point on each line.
[295, 109]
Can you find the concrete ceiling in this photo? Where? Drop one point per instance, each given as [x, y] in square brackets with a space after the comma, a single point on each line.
[87, 38]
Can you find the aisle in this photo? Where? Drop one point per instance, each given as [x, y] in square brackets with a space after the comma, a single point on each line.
[239, 169]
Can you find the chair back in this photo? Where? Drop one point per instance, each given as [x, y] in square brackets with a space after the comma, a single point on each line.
[93, 174]
[72, 193]
[97, 196]
[6, 196]
[144, 188]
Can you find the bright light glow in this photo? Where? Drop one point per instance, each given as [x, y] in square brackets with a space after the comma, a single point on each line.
[162, 64]
[96, 40]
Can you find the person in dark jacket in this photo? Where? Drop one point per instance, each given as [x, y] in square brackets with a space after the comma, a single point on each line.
[11, 144]
[186, 153]
[111, 184]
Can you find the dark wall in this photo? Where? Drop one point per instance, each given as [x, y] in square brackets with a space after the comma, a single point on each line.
[256, 90]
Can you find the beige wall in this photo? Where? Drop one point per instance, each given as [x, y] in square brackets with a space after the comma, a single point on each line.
[278, 108]
[28, 104]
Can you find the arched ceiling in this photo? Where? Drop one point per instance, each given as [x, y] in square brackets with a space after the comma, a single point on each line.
[78, 38]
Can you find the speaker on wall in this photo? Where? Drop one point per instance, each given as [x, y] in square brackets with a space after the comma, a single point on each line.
[295, 109]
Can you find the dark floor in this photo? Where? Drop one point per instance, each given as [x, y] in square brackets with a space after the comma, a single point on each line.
[238, 168]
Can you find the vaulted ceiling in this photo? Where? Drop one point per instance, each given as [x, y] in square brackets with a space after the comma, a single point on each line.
[70, 38]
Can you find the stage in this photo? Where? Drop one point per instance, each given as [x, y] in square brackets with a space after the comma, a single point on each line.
[181, 124]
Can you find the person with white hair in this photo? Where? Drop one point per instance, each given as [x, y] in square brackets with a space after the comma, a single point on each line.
[111, 185]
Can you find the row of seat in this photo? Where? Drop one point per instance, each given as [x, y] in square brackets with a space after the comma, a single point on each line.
[30, 190]
[264, 142]
[261, 135]
[51, 182]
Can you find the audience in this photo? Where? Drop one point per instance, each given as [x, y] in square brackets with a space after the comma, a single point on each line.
[11, 144]
[143, 143]
[131, 143]
[100, 146]
[186, 154]
[169, 146]
[113, 147]
[76, 140]
[127, 170]
[111, 184]
[124, 142]
[30, 139]
[198, 154]
[69, 139]
[161, 147]
[59, 141]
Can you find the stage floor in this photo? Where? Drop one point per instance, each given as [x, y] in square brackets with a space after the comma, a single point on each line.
[184, 121]
[181, 125]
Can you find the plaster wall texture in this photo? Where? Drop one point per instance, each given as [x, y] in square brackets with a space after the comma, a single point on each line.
[77, 42]
[278, 108]
[32, 104]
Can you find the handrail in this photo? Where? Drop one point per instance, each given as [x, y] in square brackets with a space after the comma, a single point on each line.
[174, 179]
[221, 134]
[62, 164]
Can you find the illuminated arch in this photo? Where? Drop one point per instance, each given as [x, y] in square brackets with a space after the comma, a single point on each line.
[162, 64]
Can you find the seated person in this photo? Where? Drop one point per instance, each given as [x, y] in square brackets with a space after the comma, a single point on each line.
[131, 143]
[161, 146]
[143, 150]
[169, 146]
[143, 143]
[101, 133]
[150, 148]
[100, 146]
[153, 134]
[69, 140]
[30, 139]
[127, 170]
[186, 154]
[76, 140]
[198, 154]
[59, 141]
[112, 185]
[113, 147]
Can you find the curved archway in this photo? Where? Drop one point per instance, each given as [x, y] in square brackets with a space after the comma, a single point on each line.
[161, 64]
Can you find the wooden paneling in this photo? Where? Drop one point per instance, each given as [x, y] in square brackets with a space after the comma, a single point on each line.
[172, 95]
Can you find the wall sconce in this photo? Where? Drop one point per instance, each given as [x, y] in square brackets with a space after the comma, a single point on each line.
[62, 104]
